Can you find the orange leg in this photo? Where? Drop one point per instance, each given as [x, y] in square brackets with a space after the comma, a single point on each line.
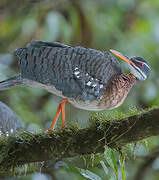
[63, 114]
[61, 108]
[56, 117]
[63, 102]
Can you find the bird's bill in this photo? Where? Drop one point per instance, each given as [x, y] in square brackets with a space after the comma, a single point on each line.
[118, 54]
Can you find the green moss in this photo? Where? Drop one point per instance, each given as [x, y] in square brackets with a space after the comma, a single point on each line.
[113, 131]
[113, 116]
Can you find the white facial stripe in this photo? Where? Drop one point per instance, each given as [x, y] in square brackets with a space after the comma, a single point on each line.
[143, 74]
[146, 65]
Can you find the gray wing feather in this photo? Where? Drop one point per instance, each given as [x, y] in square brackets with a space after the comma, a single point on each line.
[56, 64]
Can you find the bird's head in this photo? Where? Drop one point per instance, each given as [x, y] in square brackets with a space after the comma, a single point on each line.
[138, 66]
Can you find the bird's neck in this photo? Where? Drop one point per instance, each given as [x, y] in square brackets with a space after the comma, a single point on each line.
[117, 90]
[122, 81]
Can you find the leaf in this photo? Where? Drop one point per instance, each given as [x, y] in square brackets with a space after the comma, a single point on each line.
[89, 175]
[110, 158]
[122, 167]
[104, 167]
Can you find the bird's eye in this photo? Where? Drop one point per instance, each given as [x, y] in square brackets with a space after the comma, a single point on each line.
[140, 64]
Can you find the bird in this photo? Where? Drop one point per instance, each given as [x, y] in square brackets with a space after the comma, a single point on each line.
[88, 79]
[9, 121]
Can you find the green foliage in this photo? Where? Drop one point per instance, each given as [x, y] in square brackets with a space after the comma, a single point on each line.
[113, 165]
[111, 160]
[116, 162]
[88, 174]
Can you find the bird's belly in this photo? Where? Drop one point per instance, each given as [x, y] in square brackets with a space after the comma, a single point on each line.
[89, 106]
[86, 105]
[49, 88]
[95, 105]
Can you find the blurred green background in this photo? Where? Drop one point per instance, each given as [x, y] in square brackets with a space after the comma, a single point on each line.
[129, 26]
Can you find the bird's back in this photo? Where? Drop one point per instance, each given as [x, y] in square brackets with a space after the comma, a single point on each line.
[77, 72]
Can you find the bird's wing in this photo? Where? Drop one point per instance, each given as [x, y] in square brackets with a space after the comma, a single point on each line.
[77, 72]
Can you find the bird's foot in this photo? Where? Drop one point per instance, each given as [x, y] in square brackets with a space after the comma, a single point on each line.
[49, 130]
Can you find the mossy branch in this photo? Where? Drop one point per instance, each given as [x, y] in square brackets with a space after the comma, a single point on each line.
[25, 147]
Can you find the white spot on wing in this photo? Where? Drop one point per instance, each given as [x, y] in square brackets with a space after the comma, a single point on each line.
[76, 72]
[101, 86]
[89, 83]
[94, 85]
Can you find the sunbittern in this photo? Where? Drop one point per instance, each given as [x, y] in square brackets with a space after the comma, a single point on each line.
[9, 121]
[88, 79]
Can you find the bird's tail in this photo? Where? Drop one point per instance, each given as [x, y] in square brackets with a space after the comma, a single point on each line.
[11, 82]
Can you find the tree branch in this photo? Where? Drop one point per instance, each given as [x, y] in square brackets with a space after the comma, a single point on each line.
[25, 147]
